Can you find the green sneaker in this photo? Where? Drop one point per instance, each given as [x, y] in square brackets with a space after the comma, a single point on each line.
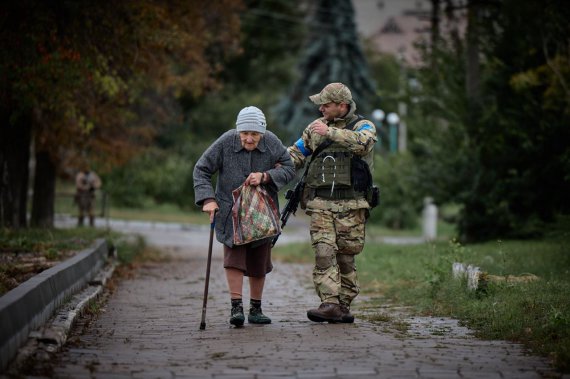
[237, 317]
[256, 316]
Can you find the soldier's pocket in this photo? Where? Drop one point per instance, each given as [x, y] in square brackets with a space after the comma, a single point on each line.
[305, 196]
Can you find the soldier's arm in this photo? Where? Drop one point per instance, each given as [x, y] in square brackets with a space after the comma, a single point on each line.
[360, 141]
[81, 182]
[96, 181]
[300, 150]
[78, 181]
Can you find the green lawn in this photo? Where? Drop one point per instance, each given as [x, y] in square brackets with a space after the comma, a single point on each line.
[25, 253]
[157, 212]
[536, 314]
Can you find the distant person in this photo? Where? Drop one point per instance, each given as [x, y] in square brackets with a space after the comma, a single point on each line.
[252, 155]
[86, 183]
[337, 192]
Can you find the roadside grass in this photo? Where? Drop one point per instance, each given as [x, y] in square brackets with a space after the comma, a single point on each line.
[27, 252]
[154, 212]
[536, 314]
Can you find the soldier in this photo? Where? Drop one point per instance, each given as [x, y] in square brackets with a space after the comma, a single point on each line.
[337, 183]
[86, 182]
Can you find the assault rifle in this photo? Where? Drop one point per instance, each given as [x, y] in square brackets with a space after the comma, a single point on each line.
[293, 197]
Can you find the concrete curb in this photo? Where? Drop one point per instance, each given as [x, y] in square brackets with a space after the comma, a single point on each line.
[31, 304]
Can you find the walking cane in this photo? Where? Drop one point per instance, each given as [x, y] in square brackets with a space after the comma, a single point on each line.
[212, 225]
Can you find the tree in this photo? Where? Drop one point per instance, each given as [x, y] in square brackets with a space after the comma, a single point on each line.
[74, 72]
[332, 54]
[270, 36]
[504, 110]
[272, 33]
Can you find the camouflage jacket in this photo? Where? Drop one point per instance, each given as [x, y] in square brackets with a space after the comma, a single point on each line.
[359, 141]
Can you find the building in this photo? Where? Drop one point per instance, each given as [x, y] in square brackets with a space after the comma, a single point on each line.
[395, 26]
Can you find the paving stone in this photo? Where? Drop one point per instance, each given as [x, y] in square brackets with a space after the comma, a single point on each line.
[150, 328]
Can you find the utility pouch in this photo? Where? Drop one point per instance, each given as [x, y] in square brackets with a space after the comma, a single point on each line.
[361, 175]
[373, 196]
[305, 196]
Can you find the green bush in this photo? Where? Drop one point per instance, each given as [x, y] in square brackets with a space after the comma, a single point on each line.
[400, 201]
[154, 177]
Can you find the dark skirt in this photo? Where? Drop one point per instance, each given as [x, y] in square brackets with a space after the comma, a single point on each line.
[252, 260]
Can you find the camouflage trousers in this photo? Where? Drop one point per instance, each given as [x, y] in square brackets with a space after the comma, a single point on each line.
[85, 201]
[336, 238]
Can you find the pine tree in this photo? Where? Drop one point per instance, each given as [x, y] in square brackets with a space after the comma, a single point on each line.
[332, 54]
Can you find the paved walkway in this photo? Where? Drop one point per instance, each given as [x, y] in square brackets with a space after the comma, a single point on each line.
[149, 328]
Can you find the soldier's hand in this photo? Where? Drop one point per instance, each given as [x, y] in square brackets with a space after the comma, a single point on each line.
[319, 127]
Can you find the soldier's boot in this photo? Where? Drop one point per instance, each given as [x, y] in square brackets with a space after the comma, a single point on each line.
[329, 312]
[256, 315]
[237, 317]
[346, 317]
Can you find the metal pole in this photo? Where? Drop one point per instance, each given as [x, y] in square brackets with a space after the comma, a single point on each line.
[205, 302]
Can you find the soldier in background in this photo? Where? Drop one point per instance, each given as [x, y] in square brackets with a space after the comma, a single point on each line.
[86, 182]
[334, 199]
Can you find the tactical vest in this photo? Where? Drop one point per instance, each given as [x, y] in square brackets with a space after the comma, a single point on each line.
[336, 173]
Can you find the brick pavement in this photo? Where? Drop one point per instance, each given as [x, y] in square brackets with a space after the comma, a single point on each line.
[149, 328]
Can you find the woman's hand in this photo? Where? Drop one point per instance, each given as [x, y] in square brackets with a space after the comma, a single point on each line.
[210, 207]
[254, 179]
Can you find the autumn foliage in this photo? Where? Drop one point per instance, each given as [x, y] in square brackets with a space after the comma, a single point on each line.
[74, 76]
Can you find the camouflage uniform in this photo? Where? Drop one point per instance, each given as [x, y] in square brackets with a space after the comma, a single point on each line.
[337, 225]
[86, 182]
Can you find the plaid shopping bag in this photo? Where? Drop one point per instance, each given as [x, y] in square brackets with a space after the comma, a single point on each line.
[255, 215]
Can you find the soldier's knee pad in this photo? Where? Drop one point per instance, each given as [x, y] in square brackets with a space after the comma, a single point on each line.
[324, 256]
[346, 263]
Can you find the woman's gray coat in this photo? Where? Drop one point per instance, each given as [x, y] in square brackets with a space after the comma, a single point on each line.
[234, 163]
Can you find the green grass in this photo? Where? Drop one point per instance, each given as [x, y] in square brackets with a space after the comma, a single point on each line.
[156, 212]
[53, 245]
[536, 314]
[294, 253]
[44, 240]
[445, 231]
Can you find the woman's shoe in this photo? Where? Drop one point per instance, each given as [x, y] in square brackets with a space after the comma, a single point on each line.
[256, 316]
[237, 317]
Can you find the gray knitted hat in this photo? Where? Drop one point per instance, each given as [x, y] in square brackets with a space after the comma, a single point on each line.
[251, 119]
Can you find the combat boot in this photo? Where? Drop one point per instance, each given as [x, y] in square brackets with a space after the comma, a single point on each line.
[347, 317]
[326, 312]
[237, 317]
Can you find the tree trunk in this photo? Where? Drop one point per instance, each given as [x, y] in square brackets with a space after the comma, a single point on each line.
[44, 191]
[15, 142]
[473, 78]
[435, 17]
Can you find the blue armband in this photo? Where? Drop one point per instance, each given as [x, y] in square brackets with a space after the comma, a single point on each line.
[301, 146]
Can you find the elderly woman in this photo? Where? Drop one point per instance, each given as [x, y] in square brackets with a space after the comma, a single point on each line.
[252, 155]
